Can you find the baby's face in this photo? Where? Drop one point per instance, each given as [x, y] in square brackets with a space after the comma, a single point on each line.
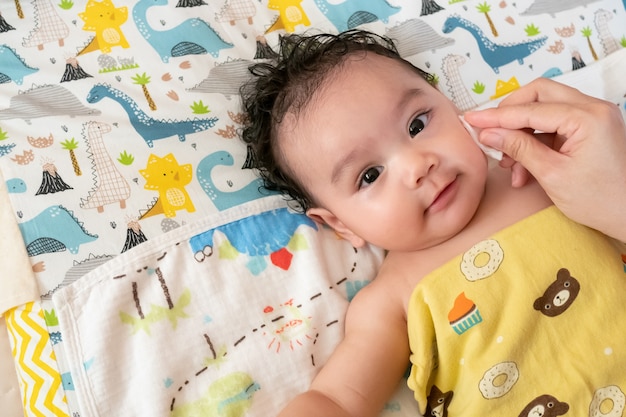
[385, 157]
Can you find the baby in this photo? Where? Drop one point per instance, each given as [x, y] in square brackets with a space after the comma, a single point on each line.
[501, 304]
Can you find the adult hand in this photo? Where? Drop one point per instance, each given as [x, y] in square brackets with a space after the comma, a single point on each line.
[579, 159]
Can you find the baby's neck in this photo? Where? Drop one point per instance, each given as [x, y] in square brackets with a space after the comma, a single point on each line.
[501, 206]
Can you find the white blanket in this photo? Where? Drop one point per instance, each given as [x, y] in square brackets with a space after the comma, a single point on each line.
[213, 316]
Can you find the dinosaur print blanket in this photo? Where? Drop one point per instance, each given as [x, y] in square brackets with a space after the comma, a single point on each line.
[161, 279]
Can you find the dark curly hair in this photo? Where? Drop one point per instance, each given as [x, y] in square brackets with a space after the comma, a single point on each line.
[286, 84]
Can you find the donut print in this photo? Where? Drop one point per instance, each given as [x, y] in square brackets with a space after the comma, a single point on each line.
[607, 402]
[474, 272]
[506, 374]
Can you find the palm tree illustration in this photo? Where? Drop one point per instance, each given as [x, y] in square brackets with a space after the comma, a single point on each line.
[143, 80]
[70, 145]
[18, 8]
[586, 31]
[486, 8]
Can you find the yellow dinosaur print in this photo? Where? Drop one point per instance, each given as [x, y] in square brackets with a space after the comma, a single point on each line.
[291, 15]
[105, 19]
[169, 178]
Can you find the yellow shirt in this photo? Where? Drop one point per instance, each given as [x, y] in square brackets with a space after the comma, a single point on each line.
[531, 322]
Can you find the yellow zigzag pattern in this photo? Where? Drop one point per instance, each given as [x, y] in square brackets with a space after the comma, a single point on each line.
[40, 381]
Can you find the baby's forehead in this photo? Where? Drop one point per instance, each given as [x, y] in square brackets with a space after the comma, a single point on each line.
[289, 135]
[328, 80]
[304, 110]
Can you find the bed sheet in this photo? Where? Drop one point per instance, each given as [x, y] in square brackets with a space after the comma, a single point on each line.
[100, 99]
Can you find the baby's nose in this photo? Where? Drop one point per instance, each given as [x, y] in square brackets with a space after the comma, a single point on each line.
[418, 166]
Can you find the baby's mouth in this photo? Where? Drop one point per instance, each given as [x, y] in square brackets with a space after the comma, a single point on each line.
[445, 196]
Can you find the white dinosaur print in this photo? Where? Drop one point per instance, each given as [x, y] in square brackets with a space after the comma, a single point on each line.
[111, 187]
[458, 92]
[608, 41]
[50, 26]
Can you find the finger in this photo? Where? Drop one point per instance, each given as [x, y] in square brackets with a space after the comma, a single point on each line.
[533, 154]
[547, 139]
[545, 117]
[519, 175]
[507, 161]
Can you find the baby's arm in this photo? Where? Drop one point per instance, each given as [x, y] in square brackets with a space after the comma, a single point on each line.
[366, 367]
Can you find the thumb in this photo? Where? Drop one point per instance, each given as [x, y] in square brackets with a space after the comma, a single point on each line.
[521, 146]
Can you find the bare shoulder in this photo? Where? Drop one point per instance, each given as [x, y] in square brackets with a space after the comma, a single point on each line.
[402, 271]
[382, 297]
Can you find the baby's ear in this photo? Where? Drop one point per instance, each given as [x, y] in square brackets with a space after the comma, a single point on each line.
[322, 215]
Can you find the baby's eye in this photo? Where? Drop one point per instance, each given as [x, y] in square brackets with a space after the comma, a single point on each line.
[369, 176]
[417, 125]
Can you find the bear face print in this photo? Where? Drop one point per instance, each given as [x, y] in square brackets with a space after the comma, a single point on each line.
[438, 402]
[544, 406]
[559, 295]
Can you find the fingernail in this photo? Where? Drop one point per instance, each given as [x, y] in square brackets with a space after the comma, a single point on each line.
[472, 113]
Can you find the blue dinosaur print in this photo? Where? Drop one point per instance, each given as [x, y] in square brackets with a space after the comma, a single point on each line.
[225, 200]
[552, 72]
[493, 54]
[191, 37]
[56, 338]
[54, 230]
[352, 13]
[12, 67]
[67, 381]
[149, 128]
[6, 149]
[16, 185]
[257, 236]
